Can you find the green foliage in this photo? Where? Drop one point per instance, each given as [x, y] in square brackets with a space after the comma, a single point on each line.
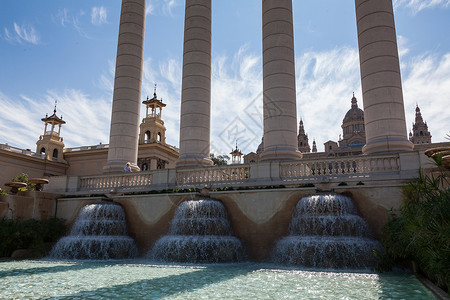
[23, 178]
[2, 192]
[219, 160]
[421, 230]
[29, 234]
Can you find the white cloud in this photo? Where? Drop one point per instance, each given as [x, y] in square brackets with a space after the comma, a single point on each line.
[22, 34]
[418, 5]
[165, 7]
[99, 15]
[325, 82]
[62, 17]
[87, 119]
[427, 83]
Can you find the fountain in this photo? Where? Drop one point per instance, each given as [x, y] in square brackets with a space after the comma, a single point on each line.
[327, 232]
[99, 232]
[200, 232]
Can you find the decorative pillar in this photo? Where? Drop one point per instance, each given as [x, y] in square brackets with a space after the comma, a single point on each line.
[196, 86]
[384, 112]
[124, 132]
[279, 96]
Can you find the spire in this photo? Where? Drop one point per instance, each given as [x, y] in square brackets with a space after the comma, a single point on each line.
[314, 147]
[354, 101]
[301, 128]
[154, 92]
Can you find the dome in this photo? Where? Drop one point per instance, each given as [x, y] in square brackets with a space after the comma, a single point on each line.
[354, 114]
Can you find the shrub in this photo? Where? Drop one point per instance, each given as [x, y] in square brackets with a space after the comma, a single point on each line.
[29, 234]
[421, 230]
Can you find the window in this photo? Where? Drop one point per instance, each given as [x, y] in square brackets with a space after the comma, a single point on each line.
[55, 153]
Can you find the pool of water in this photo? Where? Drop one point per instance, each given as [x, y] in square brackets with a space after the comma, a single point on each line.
[44, 279]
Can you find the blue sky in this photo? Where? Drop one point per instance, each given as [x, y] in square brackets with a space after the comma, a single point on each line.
[64, 51]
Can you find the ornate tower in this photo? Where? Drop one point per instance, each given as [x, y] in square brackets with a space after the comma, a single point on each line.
[303, 143]
[51, 143]
[314, 148]
[420, 133]
[152, 129]
[353, 130]
[236, 156]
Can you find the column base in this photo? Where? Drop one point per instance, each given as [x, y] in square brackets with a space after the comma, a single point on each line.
[117, 167]
[193, 161]
[280, 154]
[387, 145]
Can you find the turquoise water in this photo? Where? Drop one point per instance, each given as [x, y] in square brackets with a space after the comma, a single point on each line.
[143, 280]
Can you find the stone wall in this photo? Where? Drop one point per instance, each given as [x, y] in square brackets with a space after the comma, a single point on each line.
[258, 217]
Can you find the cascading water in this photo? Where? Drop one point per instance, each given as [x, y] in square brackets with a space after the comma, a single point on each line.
[99, 232]
[327, 232]
[200, 232]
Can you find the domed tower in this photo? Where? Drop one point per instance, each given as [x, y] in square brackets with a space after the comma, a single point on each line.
[354, 134]
[420, 133]
[51, 143]
[152, 129]
[303, 143]
[236, 156]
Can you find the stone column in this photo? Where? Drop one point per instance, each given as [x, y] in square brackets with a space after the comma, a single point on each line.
[384, 112]
[196, 86]
[124, 132]
[279, 96]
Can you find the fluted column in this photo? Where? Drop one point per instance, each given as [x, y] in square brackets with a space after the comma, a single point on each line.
[279, 96]
[196, 86]
[124, 132]
[384, 112]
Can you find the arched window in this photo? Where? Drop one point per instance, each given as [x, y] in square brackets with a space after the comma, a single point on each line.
[147, 137]
[144, 167]
[42, 150]
[159, 137]
[55, 153]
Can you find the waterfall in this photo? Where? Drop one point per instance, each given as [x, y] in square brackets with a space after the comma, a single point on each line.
[200, 232]
[99, 232]
[327, 232]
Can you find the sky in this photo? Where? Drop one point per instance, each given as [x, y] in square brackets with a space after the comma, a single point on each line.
[64, 51]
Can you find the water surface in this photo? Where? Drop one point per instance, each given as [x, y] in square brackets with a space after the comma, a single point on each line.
[116, 279]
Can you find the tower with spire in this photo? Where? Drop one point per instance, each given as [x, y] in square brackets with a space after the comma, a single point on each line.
[236, 156]
[353, 129]
[419, 133]
[152, 129]
[50, 145]
[302, 138]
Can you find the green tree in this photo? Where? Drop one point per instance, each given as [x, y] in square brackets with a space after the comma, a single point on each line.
[219, 160]
[23, 178]
[420, 231]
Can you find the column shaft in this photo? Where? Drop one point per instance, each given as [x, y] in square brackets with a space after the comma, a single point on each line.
[124, 132]
[384, 112]
[196, 86]
[279, 96]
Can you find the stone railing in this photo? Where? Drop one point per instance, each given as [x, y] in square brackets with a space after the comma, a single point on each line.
[229, 174]
[112, 183]
[334, 170]
[348, 166]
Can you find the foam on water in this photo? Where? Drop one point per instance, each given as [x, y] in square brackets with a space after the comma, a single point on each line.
[327, 232]
[200, 232]
[99, 232]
